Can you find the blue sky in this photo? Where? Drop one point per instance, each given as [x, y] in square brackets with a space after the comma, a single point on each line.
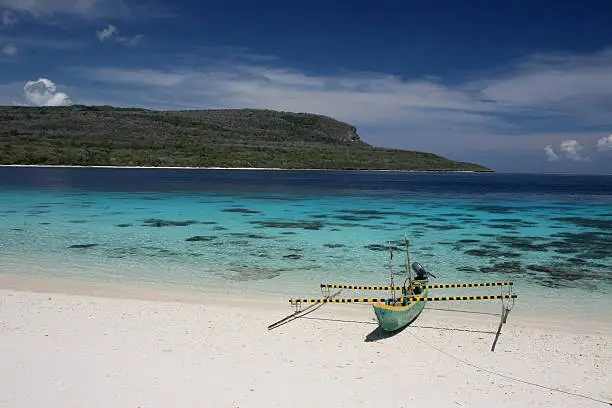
[517, 86]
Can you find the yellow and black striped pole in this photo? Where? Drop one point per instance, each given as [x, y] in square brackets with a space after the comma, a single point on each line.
[440, 286]
[410, 299]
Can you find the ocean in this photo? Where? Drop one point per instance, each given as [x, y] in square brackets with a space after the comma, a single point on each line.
[282, 233]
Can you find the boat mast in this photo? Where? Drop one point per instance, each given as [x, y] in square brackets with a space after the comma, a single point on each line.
[408, 262]
[391, 270]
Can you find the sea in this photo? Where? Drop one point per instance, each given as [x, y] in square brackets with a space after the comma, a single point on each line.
[282, 233]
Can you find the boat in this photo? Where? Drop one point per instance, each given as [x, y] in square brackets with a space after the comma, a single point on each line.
[396, 313]
[406, 301]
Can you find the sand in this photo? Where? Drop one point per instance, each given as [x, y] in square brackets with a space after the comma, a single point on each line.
[79, 350]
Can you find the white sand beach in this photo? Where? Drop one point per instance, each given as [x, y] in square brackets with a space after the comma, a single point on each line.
[75, 349]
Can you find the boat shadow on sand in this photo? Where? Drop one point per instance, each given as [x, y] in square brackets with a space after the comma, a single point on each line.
[379, 334]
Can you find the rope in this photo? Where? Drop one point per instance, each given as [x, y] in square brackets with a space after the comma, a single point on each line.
[508, 376]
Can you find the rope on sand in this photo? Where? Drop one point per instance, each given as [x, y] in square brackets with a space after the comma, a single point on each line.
[508, 377]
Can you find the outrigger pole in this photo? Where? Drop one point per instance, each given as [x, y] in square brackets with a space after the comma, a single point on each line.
[443, 286]
[409, 299]
[301, 312]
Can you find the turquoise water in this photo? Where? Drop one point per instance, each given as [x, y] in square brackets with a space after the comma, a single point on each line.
[286, 232]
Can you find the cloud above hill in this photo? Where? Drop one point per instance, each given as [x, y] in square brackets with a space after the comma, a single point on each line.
[43, 92]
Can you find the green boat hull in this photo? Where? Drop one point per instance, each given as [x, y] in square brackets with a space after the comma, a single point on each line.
[392, 318]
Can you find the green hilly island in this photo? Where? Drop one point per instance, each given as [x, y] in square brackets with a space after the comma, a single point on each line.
[108, 136]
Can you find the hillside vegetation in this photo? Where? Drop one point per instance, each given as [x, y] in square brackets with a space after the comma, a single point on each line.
[107, 136]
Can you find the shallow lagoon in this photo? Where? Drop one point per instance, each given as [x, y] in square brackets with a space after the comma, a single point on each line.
[284, 232]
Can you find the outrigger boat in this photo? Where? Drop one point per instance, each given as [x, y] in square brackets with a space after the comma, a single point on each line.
[408, 300]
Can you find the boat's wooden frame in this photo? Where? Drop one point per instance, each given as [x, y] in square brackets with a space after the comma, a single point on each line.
[396, 312]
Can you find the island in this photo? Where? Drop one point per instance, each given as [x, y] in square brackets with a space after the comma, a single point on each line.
[228, 138]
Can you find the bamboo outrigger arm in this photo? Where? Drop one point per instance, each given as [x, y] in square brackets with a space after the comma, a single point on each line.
[410, 299]
[299, 312]
[441, 286]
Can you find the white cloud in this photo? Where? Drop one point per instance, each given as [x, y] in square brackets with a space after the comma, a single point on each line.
[8, 19]
[43, 92]
[89, 9]
[553, 79]
[550, 153]
[107, 32]
[358, 98]
[112, 32]
[10, 50]
[572, 88]
[572, 149]
[604, 143]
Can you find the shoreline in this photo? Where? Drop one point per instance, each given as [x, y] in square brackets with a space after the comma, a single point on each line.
[234, 168]
[279, 303]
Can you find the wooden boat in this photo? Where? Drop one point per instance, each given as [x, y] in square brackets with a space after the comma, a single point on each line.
[401, 309]
[394, 314]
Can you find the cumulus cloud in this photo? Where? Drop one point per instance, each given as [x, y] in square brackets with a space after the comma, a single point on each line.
[43, 92]
[112, 32]
[10, 50]
[572, 149]
[605, 143]
[569, 149]
[550, 153]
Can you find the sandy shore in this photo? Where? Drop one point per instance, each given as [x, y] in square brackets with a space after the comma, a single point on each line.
[80, 350]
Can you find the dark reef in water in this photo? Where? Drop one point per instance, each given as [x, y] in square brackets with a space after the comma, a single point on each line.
[334, 245]
[241, 211]
[248, 235]
[504, 267]
[502, 226]
[82, 245]
[155, 222]
[307, 225]
[467, 269]
[492, 253]
[379, 247]
[443, 227]
[357, 217]
[492, 209]
[586, 222]
[205, 238]
[522, 243]
[292, 256]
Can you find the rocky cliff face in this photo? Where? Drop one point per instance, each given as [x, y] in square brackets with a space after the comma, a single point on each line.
[352, 135]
